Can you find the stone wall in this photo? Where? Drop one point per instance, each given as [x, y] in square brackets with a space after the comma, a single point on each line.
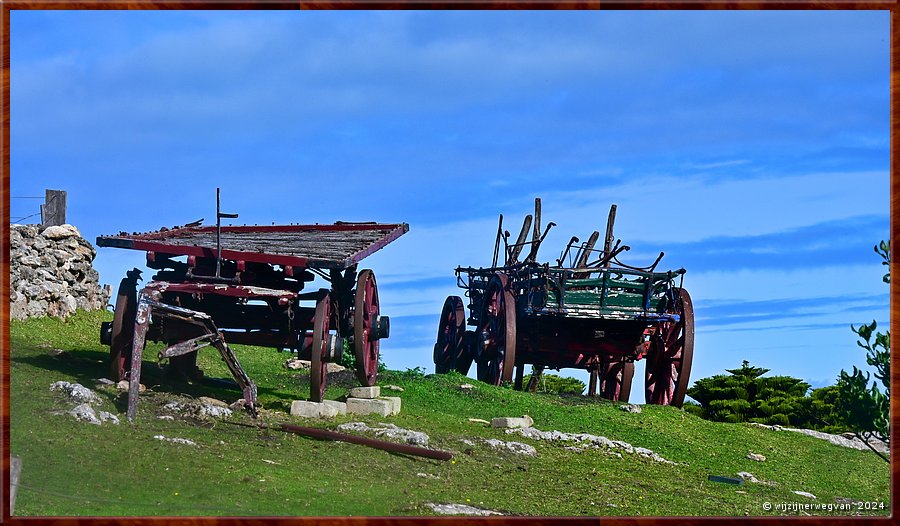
[51, 272]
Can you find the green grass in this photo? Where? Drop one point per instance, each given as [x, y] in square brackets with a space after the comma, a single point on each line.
[73, 468]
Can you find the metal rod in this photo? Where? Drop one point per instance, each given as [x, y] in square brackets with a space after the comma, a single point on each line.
[393, 447]
[497, 242]
[325, 434]
[218, 236]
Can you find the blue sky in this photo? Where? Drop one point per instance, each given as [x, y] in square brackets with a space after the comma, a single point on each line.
[752, 147]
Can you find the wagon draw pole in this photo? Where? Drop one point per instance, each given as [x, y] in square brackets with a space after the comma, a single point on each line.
[148, 303]
[325, 434]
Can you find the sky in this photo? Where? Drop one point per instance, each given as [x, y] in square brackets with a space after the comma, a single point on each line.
[752, 147]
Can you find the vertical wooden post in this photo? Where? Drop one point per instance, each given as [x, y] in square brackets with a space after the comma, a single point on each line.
[520, 373]
[15, 469]
[53, 211]
[608, 241]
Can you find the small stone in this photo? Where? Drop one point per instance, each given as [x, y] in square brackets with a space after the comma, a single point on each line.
[176, 440]
[212, 401]
[108, 417]
[76, 392]
[395, 388]
[366, 392]
[85, 413]
[459, 509]
[757, 457]
[630, 408]
[805, 494]
[60, 232]
[297, 364]
[512, 422]
[104, 381]
[515, 447]
[466, 386]
[123, 385]
[334, 367]
[748, 476]
[366, 406]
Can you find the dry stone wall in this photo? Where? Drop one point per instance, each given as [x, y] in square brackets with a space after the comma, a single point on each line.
[51, 272]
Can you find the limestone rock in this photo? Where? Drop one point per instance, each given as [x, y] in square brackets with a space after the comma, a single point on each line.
[60, 232]
[85, 413]
[51, 273]
[512, 422]
[76, 392]
[415, 438]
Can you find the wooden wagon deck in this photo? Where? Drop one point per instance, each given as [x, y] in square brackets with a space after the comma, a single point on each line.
[336, 246]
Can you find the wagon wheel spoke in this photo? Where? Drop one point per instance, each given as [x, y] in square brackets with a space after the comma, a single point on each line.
[671, 354]
[450, 336]
[366, 314]
[497, 329]
[318, 371]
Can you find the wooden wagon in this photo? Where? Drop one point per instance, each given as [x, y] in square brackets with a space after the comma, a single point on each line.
[588, 311]
[217, 285]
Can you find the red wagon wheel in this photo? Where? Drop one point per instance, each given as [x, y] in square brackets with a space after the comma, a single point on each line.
[122, 330]
[497, 332]
[318, 370]
[615, 380]
[671, 353]
[450, 336]
[366, 316]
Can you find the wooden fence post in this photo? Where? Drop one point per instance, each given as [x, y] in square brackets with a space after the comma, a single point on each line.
[53, 211]
[15, 469]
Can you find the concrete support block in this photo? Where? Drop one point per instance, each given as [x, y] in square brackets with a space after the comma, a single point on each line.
[307, 409]
[367, 406]
[395, 403]
[365, 392]
[339, 407]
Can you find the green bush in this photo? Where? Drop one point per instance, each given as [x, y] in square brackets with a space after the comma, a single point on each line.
[551, 383]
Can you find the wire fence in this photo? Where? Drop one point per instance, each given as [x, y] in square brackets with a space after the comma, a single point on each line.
[24, 217]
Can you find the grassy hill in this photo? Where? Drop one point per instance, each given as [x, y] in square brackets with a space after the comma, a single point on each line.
[75, 468]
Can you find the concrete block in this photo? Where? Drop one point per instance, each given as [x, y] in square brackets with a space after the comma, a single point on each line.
[365, 392]
[307, 409]
[395, 403]
[367, 406]
[339, 407]
[512, 422]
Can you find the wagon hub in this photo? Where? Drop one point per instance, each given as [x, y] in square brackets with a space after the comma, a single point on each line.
[382, 327]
